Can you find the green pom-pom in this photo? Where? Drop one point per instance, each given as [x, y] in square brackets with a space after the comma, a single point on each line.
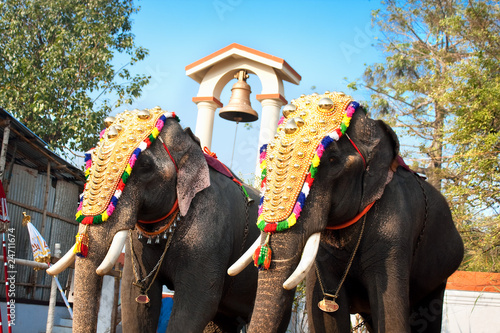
[343, 128]
[313, 171]
[125, 176]
[97, 219]
[261, 224]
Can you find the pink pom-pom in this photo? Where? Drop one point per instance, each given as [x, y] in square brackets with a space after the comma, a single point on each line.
[132, 160]
[159, 124]
[320, 150]
[110, 209]
[350, 111]
[282, 119]
[297, 209]
[262, 156]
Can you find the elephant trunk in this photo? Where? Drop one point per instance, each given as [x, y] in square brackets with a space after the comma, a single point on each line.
[273, 303]
[87, 295]
[88, 282]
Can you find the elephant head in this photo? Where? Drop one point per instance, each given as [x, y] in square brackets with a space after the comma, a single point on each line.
[328, 164]
[120, 207]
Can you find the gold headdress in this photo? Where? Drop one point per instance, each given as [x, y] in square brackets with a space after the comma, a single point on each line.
[289, 163]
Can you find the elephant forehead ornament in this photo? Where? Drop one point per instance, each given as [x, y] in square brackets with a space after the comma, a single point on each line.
[289, 163]
[109, 164]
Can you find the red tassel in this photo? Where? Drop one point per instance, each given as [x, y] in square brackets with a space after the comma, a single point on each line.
[82, 244]
[88, 220]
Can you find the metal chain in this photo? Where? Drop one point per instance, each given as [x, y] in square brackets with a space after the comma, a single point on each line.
[348, 265]
[358, 326]
[155, 269]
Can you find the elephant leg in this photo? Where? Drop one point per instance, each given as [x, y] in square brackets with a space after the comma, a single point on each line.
[196, 300]
[227, 324]
[389, 301]
[427, 314]
[138, 317]
[320, 321]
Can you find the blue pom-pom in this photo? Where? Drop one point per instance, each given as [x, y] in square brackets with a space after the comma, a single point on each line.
[301, 199]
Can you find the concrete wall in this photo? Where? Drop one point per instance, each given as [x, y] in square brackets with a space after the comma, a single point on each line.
[471, 312]
[31, 318]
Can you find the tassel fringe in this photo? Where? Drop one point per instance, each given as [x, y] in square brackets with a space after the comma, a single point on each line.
[82, 244]
[262, 256]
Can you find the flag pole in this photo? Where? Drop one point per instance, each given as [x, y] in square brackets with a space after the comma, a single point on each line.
[57, 254]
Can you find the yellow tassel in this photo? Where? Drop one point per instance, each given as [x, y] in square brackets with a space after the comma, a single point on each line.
[82, 244]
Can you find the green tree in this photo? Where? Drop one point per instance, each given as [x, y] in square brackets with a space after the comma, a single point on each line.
[439, 87]
[56, 72]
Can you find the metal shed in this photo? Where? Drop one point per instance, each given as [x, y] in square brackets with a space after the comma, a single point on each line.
[44, 185]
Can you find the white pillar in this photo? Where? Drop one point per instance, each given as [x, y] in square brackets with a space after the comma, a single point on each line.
[269, 122]
[205, 122]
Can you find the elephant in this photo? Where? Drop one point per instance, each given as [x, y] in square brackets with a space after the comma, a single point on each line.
[182, 222]
[342, 210]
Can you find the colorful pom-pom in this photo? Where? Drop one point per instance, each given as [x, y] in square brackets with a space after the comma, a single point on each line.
[262, 257]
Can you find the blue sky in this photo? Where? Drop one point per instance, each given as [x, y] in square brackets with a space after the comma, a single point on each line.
[324, 41]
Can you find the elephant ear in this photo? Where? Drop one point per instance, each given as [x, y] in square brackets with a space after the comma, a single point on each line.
[193, 175]
[382, 147]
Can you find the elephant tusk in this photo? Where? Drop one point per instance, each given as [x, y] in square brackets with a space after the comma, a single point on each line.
[244, 260]
[306, 262]
[114, 252]
[62, 263]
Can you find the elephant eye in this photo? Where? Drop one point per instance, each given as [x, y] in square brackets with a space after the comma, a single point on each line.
[145, 163]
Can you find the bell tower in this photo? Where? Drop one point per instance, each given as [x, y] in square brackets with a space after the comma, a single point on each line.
[214, 71]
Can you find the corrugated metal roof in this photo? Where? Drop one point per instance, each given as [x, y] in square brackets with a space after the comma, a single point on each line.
[32, 151]
[25, 181]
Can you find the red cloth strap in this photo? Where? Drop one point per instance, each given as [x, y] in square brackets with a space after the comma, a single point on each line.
[168, 152]
[353, 220]
[356, 147]
[174, 208]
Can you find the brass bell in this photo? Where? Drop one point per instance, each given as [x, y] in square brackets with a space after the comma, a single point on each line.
[239, 109]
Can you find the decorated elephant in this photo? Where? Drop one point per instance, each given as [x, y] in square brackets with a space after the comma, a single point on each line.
[183, 224]
[340, 206]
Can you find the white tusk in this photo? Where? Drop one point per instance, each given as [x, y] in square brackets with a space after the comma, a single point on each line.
[306, 262]
[62, 263]
[115, 249]
[244, 260]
